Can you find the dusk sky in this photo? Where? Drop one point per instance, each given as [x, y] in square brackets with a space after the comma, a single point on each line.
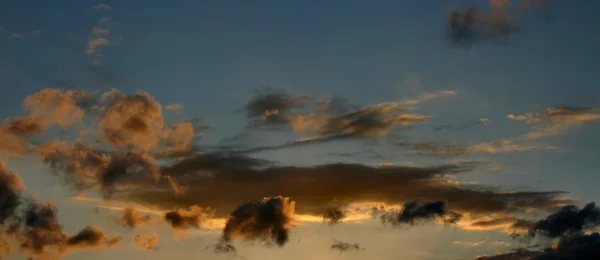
[426, 130]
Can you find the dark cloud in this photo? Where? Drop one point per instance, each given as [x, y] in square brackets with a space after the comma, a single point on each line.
[518, 254]
[193, 217]
[472, 26]
[574, 247]
[273, 108]
[315, 188]
[335, 214]
[268, 220]
[132, 219]
[11, 186]
[567, 221]
[416, 212]
[345, 246]
[91, 237]
[41, 228]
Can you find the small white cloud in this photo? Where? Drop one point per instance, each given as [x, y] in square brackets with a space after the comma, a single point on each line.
[485, 121]
[102, 7]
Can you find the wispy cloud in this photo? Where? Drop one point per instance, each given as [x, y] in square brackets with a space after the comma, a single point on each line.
[555, 120]
[100, 7]
[16, 36]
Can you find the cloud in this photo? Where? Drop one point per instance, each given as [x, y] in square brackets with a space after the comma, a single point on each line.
[91, 237]
[106, 20]
[132, 219]
[11, 186]
[464, 126]
[345, 246]
[100, 31]
[268, 220]
[273, 108]
[566, 221]
[102, 7]
[505, 146]
[469, 243]
[147, 241]
[16, 36]
[335, 214]
[171, 107]
[472, 26]
[575, 247]
[416, 212]
[438, 148]
[193, 217]
[315, 188]
[555, 120]
[94, 45]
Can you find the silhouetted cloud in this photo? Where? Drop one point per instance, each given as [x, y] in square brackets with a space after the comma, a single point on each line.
[11, 186]
[567, 221]
[345, 246]
[268, 220]
[193, 217]
[273, 108]
[335, 214]
[416, 212]
[91, 237]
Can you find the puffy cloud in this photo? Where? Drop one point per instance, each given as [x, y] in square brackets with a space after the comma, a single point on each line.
[193, 217]
[147, 241]
[335, 214]
[41, 229]
[268, 220]
[132, 219]
[91, 237]
[566, 221]
[11, 186]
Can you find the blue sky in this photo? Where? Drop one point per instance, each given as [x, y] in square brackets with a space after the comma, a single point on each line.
[210, 55]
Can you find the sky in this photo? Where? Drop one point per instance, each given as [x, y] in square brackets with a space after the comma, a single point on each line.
[299, 129]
